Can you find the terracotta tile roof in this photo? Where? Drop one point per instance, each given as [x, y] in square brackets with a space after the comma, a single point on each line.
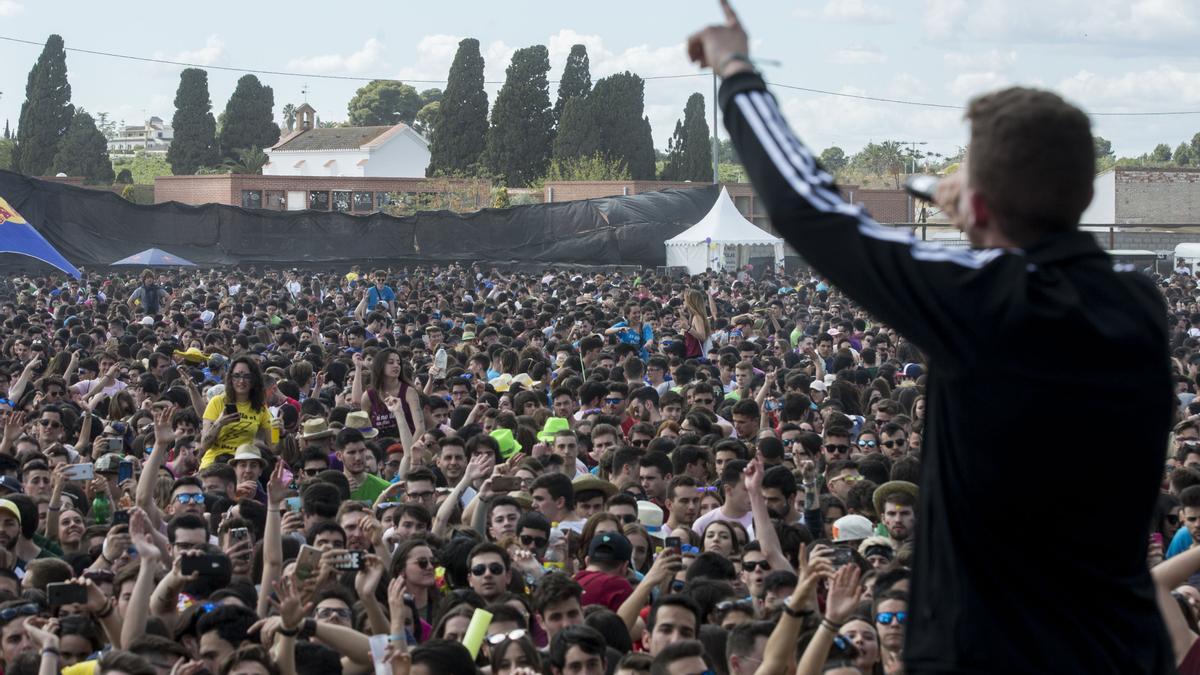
[333, 138]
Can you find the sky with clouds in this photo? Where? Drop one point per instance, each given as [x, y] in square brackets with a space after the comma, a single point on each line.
[1109, 56]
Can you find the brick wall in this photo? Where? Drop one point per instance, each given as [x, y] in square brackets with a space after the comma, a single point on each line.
[1157, 196]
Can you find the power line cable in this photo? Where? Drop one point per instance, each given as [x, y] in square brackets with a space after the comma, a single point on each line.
[352, 78]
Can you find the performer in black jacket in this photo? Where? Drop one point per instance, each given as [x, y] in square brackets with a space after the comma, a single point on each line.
[1039, 352]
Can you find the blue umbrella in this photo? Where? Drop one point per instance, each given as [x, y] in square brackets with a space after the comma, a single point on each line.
[155, 257]
[18, 236]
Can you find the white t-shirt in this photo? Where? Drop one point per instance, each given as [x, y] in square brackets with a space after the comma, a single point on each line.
[747, 521]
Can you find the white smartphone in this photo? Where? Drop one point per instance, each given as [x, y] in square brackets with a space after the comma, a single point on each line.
[80, 471]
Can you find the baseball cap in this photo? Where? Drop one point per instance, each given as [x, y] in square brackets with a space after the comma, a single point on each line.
[610, 547]
[11, 508]
[12, 485]
[852, 528]
[913, 370]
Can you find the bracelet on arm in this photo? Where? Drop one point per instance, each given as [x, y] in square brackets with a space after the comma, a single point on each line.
[833, 627]
[797, 613]
[106, 612]
[288, 633]
[734, 57]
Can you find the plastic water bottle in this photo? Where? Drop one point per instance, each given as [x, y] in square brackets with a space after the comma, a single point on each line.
[439, 360]
[101, 508]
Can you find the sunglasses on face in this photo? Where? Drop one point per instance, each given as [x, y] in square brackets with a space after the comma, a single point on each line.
[53, 424]
[752, 565]
[867, 444]
[423, 563]
[241, 376]
[898, 443]
[197, 498]
[627, 518]
[495, 568]
[313, 472]
[837, 449]
[885, 618]
[537, 542]
[510, 635]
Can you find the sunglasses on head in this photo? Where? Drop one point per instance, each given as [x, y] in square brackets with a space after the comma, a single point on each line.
[510, 635]
[886, 618]
[495, 568]
[539, 542]
[614, 401]
[727, 605]
[20, 610]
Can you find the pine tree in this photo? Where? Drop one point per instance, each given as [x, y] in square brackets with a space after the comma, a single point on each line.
[47, 111]
[618, 102]
[7, 134]
[689, 155]
[576, 80]
[518, 147]
[83, 151]
[249, 118]
[383, 103]
[461, 132]
[578, 133]
[195, 142]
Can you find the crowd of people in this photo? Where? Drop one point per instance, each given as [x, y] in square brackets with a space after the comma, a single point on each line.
[256, 471]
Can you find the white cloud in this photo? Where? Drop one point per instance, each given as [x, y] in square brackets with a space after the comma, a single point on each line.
[943, 16]
[354, 63]
[1152, 22]
[857, 56]
[966, 85]
[11, 7]
[1161, 88]
[994, 59]
[856, 10]
[205, 56]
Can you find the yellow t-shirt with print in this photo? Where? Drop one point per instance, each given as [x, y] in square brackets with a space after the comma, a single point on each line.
[236, 433]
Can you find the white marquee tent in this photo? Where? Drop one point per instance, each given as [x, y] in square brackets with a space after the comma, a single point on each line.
[722, 240]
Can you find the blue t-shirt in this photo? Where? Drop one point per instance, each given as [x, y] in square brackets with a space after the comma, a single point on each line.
[1181, 542]
[374, 295]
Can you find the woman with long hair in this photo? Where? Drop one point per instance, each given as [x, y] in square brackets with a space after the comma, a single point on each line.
[416, 561]
[390, 378]
[513, 651]
[696, 324]
[239, 414]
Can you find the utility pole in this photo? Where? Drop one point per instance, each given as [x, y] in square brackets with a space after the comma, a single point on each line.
[715, 142]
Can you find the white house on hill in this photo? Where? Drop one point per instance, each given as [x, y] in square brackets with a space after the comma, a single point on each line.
[367, 152]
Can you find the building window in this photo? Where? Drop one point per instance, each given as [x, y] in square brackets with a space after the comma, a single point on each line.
[341, 201]
[275, 200]
[252, 199]
[362, 201]
[318, 200]
[383, 200]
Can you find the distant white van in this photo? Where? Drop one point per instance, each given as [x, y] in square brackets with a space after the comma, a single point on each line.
[1187, 255]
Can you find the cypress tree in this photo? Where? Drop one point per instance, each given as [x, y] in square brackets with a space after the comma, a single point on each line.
[461, 132]
[618, 102]
[84, 151]
[249, 118]
[578, 132]
[195, 142]
[576, 80]
[47, 111]
[689, 156]
[518, 143]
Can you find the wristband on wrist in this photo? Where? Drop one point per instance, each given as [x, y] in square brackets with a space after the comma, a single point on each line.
[106, 612]
[50, 650]
[288, 633]
[796, 613]
[732, 58]
[833, 627]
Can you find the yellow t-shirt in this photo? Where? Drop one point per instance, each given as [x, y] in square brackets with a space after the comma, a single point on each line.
[236, 433]
[81, 668]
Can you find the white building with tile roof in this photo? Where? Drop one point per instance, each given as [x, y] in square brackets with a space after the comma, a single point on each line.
[369, 152]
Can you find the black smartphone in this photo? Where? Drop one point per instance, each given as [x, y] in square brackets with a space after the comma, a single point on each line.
[352, 562]
[506, 483]
[65, 593]
[673, 544]
[231, 409]
[120, 517]
[842, 555]
[205, 565]
[124, 471]
[921, 186]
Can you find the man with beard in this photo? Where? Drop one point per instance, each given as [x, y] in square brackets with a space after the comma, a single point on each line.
[352, 453]
[490, 570]
[896, 503]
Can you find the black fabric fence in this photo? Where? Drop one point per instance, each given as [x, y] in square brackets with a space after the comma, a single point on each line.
[93, 228]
